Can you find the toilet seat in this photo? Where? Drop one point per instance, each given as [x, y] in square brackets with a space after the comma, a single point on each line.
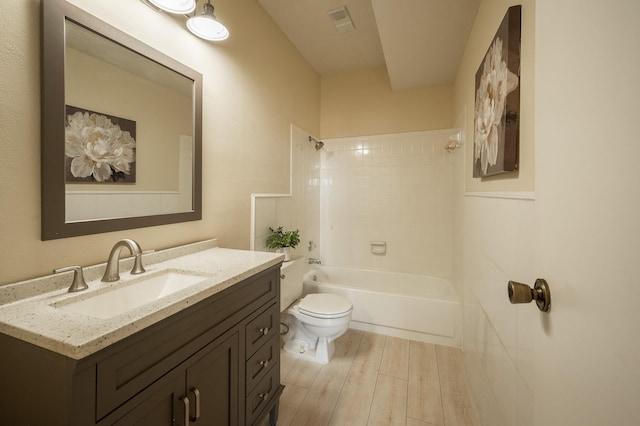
[321, 305]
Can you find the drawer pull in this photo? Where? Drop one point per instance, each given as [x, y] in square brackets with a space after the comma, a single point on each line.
[185, 401]
[264, 363]
[264, 396]
[196, 393]
[264, 330]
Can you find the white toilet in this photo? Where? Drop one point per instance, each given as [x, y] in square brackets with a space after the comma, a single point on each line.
[314, 321]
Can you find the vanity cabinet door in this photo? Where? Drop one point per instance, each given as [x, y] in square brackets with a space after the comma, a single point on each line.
[207, 385]
[159, 406]
[213, 383]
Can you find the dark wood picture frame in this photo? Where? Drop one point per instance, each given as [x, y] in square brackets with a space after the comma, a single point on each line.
[497, 101]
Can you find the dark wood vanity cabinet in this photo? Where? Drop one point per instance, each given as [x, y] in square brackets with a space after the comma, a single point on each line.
[262, 366]
[205, 391]
[214, 363]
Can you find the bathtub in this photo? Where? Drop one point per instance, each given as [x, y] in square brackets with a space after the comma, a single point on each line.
[411, 306]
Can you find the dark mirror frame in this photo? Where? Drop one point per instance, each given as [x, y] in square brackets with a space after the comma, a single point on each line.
[53, 18]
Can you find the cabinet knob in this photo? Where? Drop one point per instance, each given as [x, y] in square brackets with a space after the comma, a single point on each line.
[264, 330]
[264, 396]
[264, 363]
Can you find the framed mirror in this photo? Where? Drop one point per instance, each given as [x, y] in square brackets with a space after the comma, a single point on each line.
[121, 129]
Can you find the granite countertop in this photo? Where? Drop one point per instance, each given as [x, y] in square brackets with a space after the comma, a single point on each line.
[28, 308]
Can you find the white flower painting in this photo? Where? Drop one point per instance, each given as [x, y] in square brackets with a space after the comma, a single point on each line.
[99, 149]
[497, 99]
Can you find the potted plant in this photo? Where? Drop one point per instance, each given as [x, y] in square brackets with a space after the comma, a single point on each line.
[285, 240]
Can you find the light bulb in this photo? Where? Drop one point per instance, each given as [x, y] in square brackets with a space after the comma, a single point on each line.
[175, 6]
[206, 25]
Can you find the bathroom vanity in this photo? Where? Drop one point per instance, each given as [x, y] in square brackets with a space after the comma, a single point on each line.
[204, 355]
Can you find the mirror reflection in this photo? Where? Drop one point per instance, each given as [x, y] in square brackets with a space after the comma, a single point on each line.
[121, 129]
[128, 132]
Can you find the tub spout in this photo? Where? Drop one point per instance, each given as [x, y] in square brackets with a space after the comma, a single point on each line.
[314, 261]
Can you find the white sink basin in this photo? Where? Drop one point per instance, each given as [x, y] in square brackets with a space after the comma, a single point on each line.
[131, 295]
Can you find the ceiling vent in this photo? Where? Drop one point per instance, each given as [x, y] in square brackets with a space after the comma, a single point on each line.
[341, 19]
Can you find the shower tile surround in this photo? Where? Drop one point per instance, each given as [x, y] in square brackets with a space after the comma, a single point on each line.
[396, 188]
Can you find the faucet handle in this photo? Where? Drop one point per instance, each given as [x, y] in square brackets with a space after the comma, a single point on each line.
[137, 265]
[78, 283]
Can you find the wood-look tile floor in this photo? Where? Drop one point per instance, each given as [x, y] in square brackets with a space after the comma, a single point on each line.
[378, 380]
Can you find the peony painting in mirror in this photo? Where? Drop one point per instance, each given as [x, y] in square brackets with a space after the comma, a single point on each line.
[99, 147]
[497, 101]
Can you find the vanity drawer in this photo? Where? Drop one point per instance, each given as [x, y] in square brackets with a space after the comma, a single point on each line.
[261, 329]
[263, 394]
[259, 365]
[138, 361]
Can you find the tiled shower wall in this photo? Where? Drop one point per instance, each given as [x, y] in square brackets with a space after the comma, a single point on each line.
[396, 189]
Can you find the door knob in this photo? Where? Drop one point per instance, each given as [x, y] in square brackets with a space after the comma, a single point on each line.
[522, 293]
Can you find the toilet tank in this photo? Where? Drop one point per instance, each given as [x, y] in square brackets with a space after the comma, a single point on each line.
[291, 282]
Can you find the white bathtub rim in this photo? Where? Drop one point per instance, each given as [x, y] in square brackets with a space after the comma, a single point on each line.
[382, 293]
[452, 297]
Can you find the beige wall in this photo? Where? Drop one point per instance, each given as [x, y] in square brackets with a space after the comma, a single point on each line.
[361, 103]
[490, 14]
[161, 114]
[255, 85]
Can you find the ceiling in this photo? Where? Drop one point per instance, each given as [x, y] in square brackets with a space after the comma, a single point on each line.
[419, 41]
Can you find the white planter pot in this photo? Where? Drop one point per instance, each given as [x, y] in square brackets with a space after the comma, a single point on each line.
[287, 253]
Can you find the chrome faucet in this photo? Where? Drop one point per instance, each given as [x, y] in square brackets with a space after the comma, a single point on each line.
[314, 261]
[112, 273]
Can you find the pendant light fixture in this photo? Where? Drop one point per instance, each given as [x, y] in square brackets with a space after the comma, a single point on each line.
[175, 6]
[206, 25]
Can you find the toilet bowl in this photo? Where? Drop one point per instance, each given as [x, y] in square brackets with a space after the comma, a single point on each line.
[315, 321]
